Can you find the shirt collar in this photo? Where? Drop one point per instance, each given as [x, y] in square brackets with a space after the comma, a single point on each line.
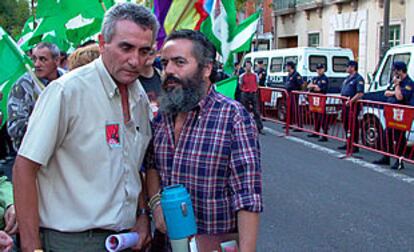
[108, 83]
[46, 81]
[210, 93]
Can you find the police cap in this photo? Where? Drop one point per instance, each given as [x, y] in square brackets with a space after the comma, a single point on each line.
[291, 64]
[320, 66]
[352, 63]
[399, 66]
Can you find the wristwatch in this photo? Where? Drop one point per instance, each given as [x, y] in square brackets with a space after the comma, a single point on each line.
[142, 211]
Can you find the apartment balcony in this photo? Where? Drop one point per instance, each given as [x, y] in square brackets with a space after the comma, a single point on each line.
[284, 7]
[337, 1]
[304, 5]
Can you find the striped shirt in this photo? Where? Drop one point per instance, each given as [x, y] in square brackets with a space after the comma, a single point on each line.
[217, 158]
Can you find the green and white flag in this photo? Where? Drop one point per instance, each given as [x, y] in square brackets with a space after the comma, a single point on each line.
[221, 28]
[13, 64]
[228, 86]
[67, 23]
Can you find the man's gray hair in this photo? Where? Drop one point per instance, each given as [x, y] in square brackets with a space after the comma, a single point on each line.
[54, 49]
[138, 14]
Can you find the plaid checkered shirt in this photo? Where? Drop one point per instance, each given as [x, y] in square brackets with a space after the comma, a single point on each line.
[217, 158]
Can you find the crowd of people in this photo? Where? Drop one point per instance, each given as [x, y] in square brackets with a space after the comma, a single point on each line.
[100, 132]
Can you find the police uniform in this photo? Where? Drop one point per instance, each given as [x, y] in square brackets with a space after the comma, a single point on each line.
[407, 90]
[321, 119]
[294, 82]
[352, 85]
[261, 72]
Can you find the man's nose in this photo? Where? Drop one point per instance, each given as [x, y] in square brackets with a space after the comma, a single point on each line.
[37, 62]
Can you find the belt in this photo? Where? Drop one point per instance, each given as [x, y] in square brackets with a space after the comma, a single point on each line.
[88, 232]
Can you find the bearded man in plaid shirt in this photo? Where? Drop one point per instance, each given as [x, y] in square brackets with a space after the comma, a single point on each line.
[205, 141]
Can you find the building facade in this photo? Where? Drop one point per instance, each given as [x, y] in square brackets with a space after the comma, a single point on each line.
[264, 39]
[354, 24]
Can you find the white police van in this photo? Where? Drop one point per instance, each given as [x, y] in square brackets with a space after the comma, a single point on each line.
[374, 121]
[306, 60]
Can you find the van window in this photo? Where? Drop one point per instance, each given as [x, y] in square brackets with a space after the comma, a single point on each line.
[276, 65]
[385, 77]
[339, 64]
[265, 62]
[315, 60]
[404, 57]
[294, 59]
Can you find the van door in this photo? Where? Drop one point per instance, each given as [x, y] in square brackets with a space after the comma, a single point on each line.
[275, 74]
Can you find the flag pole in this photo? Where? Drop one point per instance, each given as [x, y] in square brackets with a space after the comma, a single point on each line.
[34, 13]
[189, 3]
[103, 5]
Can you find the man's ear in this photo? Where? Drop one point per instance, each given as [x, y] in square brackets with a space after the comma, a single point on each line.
[208, 69]
[101, 42]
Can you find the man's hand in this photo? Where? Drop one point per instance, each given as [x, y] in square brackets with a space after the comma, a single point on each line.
[348, 102]
[142, 227]
[10, 220]
[6, 242]
[397, 81]
[159, 219]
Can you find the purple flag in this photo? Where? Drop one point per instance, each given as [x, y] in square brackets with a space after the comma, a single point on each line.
[161, 8]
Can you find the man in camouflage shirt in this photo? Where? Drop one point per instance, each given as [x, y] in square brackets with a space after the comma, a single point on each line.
[25, 92]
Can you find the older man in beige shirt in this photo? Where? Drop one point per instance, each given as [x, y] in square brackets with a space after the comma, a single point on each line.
[77, 173]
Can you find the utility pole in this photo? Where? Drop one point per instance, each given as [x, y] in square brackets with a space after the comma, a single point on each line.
[385, 45]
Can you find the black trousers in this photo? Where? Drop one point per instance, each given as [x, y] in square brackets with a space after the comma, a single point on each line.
[397, 136]
[346, 116]
[295, 111]
[321, 121]
[251, 102]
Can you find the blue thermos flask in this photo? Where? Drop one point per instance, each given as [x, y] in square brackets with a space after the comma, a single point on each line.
[178, 212]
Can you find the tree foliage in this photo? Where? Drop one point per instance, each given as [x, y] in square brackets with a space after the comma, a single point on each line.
[13, 15]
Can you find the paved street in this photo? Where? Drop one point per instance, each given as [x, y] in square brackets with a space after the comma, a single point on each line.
[317, 202]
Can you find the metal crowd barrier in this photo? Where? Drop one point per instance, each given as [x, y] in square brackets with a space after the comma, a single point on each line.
[274, 105]
[386, 129]
[320, 114]
[380, 127]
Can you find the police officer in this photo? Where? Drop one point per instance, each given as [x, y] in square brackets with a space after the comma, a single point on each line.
[293, 83]
[319, 84]
[261, 72]
[400, 91]
[353, 88]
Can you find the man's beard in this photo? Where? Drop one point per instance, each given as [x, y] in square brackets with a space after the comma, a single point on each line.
[183, 97]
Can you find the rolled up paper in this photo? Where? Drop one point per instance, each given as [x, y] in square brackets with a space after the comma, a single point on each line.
[118, 242]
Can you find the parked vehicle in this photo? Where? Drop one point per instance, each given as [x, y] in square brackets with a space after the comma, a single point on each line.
[373, 119]
[306, 60]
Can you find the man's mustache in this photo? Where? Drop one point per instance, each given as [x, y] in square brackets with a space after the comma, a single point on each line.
[171, 78]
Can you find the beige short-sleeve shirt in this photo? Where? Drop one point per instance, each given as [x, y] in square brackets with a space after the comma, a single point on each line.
[90, 159]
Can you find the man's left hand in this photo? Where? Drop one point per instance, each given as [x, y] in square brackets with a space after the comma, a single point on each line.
[10, 220]
[142, 227]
